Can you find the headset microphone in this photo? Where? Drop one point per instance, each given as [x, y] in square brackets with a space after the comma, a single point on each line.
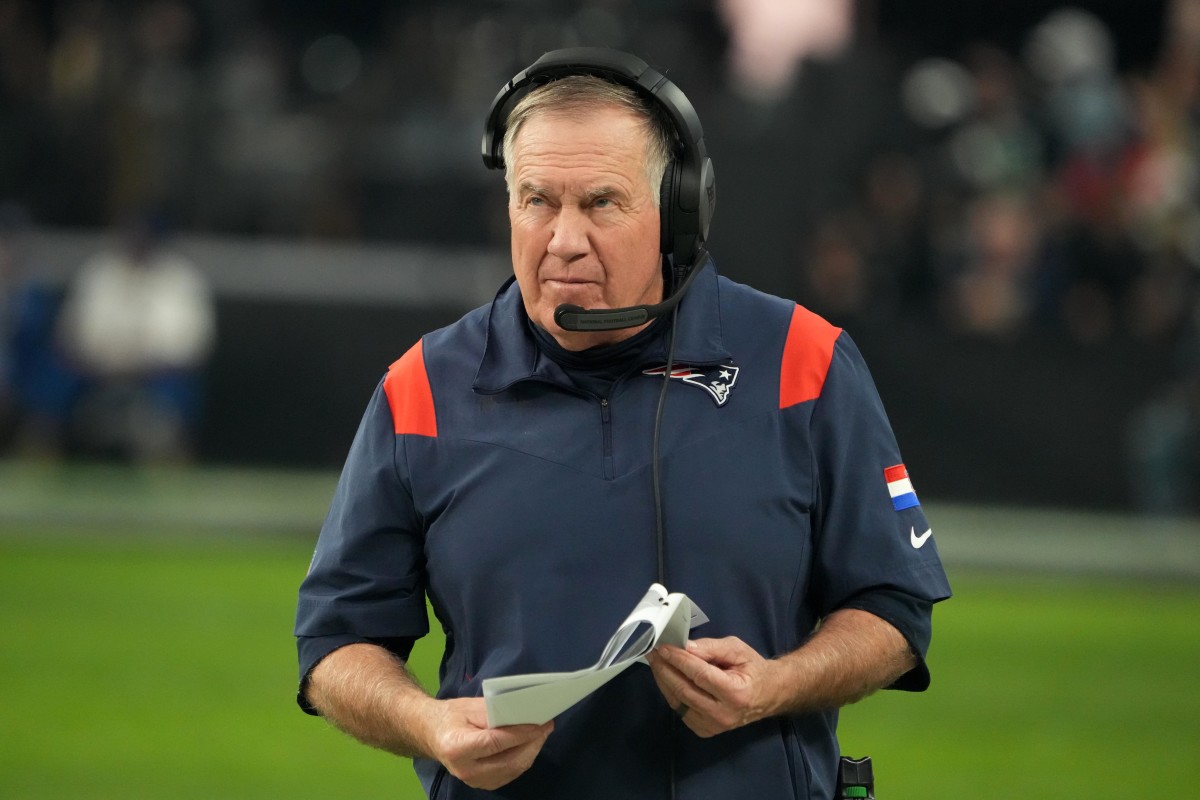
[575, 318]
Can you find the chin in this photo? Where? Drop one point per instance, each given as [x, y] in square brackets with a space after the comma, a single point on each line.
[583, 299]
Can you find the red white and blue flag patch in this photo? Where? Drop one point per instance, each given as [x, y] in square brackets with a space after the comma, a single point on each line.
[900, 487]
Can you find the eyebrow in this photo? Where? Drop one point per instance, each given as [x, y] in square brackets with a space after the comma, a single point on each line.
[525, 187]
[604, 191]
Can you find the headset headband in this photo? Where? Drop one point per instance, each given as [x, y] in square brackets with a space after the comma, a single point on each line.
[613, 65]
[689, 190]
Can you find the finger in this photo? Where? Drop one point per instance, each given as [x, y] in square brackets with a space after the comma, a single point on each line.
[682, 694]
[476, 715]
[658, 670]
[512, 737]
[727, 652]
[496, 770]
[696, 672]
[666, 671]
[475, 744]
[667, 678]
[473, 710]
[522, 752]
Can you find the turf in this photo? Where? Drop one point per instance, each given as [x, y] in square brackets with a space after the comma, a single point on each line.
[137, 669]
[149, 666]
[1057, 688]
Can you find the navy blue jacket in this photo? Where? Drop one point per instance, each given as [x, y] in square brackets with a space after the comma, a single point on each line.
[482, 478]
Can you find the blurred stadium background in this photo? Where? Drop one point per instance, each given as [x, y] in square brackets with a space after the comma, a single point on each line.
[998, 199]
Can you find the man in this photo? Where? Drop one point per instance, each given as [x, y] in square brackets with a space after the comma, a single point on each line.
[515, 469]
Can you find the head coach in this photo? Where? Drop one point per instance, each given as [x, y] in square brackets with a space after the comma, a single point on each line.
[619, 414]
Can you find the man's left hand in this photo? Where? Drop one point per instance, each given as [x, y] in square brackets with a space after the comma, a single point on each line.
[715, 685]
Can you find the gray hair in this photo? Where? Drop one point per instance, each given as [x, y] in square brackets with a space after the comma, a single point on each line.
[577, 94]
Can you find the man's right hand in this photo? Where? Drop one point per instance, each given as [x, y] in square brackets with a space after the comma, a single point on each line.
[479, 756]
[369, 693]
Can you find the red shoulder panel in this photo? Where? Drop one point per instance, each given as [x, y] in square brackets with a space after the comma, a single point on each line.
[409, 395]
[806, 357]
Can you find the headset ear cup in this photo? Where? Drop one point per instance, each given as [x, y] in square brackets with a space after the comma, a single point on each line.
[708, 198]
[666, 208]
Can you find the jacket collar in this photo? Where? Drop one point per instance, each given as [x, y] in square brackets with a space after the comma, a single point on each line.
[511, 355]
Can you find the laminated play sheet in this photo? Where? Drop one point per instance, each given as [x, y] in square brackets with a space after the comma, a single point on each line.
[660, 618]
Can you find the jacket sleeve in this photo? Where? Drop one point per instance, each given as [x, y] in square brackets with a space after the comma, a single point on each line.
[870, 548]
[366, 582]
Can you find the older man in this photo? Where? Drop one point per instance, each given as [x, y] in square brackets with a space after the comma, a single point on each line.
[519, 469]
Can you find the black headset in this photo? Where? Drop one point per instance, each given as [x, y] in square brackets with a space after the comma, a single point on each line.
[688, 191]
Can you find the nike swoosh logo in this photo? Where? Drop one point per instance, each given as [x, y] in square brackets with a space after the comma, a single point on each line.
[919, 541]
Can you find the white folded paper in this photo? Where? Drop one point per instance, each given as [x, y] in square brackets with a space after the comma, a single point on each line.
[659, 618]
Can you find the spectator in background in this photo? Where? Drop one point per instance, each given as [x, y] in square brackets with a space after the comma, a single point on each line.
[836, 274]
[872, 260]
[1086, 103]
[37, 386]
[1161, 168]
[993, 290]
[1163, 438]
[7, 332]
[898, 248]
[138, 324]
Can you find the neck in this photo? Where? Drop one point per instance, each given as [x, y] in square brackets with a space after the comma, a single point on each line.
[577, 341]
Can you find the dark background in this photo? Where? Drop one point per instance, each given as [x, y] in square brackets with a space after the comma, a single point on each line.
[214, 123]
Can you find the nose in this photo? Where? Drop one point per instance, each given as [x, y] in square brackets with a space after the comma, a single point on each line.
[570, 238]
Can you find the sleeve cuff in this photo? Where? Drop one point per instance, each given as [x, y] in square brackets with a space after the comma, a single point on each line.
[910, 615]
[312, 649]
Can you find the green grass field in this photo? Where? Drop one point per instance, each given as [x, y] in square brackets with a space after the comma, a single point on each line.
[154, 659]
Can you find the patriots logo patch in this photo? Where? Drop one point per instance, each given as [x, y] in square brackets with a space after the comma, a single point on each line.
[717, 381]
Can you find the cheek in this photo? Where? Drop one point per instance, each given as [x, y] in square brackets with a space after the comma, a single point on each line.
[641, 247]
[529, 232]
[644, 236]
[526, 257]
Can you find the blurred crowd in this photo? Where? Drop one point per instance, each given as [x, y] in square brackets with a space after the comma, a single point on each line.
[111, 365]
[998, 189]
[1044, 193]
[268, 117]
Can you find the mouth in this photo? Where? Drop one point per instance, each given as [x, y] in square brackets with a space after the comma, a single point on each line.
[567, 284]
[567, 280]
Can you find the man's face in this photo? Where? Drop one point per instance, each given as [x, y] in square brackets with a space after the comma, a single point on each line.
[585, 228]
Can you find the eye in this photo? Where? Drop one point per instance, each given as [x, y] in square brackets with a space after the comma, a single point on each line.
[603, 202]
